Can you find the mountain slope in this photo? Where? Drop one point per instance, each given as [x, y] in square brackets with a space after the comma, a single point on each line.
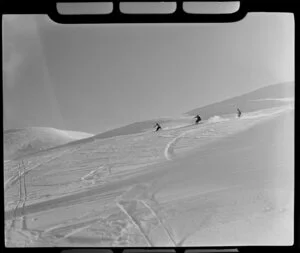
[235, 176]
[252, 101]
[263, 98]
[19, 142]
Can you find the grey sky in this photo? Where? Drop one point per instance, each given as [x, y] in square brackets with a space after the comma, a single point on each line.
[95, 77]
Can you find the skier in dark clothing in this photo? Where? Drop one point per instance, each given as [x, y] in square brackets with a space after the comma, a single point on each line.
[158, 127]
[239, 113]
[198, 119]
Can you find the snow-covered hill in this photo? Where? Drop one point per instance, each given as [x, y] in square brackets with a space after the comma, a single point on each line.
[227, 181]
[267, 97]
[19, 142]
[263, 98]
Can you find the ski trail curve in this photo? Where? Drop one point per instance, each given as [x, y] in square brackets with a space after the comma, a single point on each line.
[169, 149]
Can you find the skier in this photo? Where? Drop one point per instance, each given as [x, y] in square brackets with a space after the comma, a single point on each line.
[239, 113]
[158, 127]
[198, 119]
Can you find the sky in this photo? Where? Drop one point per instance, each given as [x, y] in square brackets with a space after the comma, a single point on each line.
[93, 78]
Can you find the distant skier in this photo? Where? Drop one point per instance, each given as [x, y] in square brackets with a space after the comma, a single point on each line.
[239, 113]
[158, 127]
[198, 119]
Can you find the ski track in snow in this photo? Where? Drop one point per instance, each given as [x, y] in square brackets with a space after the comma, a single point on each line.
[21, 201]
[160, 221]
[169, 149]
[12, 180]
[18, 213]
[19, 221]
[127, 207]
[135, 223]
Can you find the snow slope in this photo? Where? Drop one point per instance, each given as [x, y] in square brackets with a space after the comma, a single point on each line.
[263, 98]
[19, 142]
[225, 181]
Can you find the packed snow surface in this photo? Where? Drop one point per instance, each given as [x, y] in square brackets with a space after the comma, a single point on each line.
[225, 181]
